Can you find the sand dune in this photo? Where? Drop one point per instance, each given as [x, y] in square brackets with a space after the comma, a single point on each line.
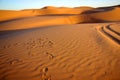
[48, 10]
[31, 22]
[69, 52]
[60, 44]
[8, 15]
[61, 19]
[112, 15]
[73, 15]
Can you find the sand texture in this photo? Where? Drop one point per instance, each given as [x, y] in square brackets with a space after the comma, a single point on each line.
[53, 44]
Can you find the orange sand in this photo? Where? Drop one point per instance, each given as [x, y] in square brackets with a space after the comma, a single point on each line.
[50, 44]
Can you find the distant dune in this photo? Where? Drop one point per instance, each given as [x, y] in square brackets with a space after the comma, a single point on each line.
[8, 14]
[108, 15]
[49, 7]
[49, 10]
[95, 13]
[59, 15]
[60, 43]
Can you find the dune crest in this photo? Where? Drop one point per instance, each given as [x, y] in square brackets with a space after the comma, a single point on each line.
[49, 7]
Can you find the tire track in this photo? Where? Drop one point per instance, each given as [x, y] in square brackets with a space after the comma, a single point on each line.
[109, 34]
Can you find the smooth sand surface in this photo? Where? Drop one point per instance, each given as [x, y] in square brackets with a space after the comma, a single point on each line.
[57, 47]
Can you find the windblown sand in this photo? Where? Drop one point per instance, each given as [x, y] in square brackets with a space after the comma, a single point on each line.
[55, 47]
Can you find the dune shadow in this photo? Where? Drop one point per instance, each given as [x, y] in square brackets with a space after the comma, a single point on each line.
[95, 20]
[50, 15]
[7, 33]
[97, 10]
[59, 15]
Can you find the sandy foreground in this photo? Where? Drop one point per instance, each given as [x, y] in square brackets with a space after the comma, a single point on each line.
[56, 47]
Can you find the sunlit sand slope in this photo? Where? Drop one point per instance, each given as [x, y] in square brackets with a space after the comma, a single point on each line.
[68, 52]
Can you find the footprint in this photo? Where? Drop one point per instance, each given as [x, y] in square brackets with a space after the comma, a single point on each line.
[32, 53]
[44, 70]
[15, 61]
[51, 56]
[50, 43]
[16, 44]
[6, 46]
[44, 74]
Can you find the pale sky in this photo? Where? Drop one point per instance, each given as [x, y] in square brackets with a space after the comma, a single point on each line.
[35, 4]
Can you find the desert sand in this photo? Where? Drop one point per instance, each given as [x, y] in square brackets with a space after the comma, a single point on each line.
[81, 43]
